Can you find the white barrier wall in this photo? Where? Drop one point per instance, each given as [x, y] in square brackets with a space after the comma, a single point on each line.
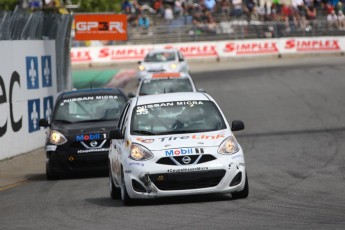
[220, 49]
[27, 93]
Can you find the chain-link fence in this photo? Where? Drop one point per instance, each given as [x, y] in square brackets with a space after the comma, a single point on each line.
[24, 25]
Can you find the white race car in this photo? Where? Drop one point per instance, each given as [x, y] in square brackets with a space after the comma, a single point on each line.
[162, 60]
[175, 144]
[158, 83]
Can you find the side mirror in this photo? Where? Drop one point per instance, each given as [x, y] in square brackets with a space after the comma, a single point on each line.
[201, 90]
[43, 123]
[237, 125]
[115, 134]
[131, 95]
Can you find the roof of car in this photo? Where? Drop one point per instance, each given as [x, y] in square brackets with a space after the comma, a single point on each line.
[157, 50]
[90, 92]
[185, 96]
[166, 75]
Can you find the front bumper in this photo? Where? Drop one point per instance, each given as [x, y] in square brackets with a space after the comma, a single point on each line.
[147, 179]
[65, 160]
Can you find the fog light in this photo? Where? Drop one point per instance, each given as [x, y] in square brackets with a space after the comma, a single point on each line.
[71, 158]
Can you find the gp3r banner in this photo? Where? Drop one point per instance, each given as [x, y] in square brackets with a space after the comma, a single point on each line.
[100, 27]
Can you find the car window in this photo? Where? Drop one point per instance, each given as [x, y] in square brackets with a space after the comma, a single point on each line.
[157, 86]
[89, 108]
[176, 117]
[160, 57]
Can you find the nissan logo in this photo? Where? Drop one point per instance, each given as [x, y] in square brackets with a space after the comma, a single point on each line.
[93, 143]
[186, 159]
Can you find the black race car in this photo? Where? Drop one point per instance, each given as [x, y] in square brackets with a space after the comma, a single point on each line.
[77, 138]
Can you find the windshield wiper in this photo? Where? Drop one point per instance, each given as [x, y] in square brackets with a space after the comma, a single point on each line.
[143, 132]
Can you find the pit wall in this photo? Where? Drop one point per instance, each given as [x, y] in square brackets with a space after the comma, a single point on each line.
[212, 50]
[27, 93]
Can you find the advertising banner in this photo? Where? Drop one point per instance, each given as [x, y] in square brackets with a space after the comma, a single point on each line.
[312, 45]
[28, 90]
[100, 27]
[220, 49]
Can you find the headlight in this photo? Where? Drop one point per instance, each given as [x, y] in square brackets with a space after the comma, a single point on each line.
[57, 138]
[141, 68]
[140, 153]
[173, 66]
[228, 146]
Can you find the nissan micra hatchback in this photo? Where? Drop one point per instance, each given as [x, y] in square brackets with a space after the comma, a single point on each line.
[78, 131]
[175, 144]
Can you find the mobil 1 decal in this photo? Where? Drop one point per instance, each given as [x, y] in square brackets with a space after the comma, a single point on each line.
[33, 115]
[46, 71]
[32, 74]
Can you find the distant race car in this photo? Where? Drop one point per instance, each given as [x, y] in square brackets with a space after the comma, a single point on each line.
[175, 144]
[168, 82]
[78, 134]
[162, 60]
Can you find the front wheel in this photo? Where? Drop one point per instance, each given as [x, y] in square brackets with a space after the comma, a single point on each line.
[115, 193]
[244, 193]
[126, 200]
[50, 173]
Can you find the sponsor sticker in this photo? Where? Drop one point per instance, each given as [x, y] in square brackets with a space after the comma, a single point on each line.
[187, 170]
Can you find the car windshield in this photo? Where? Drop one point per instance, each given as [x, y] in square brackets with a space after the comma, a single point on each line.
[89, 108]
[176, 117]
[160, 57]
[157, 86]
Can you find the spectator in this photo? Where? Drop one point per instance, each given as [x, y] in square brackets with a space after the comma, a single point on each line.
[143, 21]
[310, 15]
[126, 7]
[341, 20]
[237, 8]
[210, 5]
[299, 9]
[250, 5]
[158, 7]
[178, 7]
[168, 15]
[332, 20]
[225, 9]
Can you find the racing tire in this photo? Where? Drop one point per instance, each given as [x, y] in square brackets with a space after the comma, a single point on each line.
[126, 200]
[244, 193]
[115, 193]
[50, 173]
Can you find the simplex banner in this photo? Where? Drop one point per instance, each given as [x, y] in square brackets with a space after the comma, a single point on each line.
[219, 49]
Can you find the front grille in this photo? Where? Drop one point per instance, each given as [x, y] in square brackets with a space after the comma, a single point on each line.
[190, 180]
[79, 145]
[194, 159]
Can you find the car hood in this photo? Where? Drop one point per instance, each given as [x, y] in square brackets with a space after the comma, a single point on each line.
[86, 128]
[202, 139]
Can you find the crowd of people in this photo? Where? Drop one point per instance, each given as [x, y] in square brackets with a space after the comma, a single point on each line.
[206, 14]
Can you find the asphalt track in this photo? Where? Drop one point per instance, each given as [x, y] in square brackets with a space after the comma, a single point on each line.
[294, 150]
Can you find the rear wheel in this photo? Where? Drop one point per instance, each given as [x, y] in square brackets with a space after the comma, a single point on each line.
[115, 193]
[124, 195]
[244, 193]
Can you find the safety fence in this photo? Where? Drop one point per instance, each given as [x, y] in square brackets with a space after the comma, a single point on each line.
[24, 25]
